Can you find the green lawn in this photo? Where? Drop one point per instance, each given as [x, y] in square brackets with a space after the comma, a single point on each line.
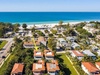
[69, 70]
[2, 43]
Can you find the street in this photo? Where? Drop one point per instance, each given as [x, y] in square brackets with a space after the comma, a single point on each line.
[6, 48]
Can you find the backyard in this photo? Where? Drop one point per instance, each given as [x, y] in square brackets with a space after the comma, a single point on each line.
[68, 67]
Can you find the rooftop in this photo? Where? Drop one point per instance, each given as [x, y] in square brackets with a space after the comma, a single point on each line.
[18, 67]
[48, 53]
[88, 52]
[38, 53]
[77, 53]
[53, 66]
[39, 66]
[28, 43]
[90, 66]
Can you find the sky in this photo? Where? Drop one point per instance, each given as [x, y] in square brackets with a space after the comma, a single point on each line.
[50, 5]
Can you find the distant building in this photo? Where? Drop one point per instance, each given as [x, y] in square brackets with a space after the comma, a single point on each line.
[28, 44]
[90, 24]
[53, 67]
[89, 53]
[17, 69]
[90, 68]
[98, 37]
[71, 38]
[61, 42]
[38, 55]
[38, 68]
[75, 45]
[49, 55]
[77, 54]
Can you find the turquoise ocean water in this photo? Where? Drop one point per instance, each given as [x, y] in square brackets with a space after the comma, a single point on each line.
[48, 17]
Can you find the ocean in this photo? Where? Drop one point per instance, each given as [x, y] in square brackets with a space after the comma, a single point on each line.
[48, 17]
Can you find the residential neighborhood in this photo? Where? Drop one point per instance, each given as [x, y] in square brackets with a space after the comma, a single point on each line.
[62, 49]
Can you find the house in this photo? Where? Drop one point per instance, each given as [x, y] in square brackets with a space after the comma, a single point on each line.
[71, 38]
[38, 55]
[53, 67]
[97, 65]
[49, 54]
[90, 24]
[89, 53]
[41, 40]
[98, 37]
[90, 68]
[38, 68]
[17, 69]
[94, 48]
[61, 42]
[98, 52]
[77, 54]
[28, 44]
[91, 29]
[75, 45]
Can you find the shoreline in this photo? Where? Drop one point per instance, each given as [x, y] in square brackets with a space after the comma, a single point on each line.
[50, 25]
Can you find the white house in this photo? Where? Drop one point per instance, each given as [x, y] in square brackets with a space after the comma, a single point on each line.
[90, 68]
[74, 45]
[77, 54]
[89, 53]
[61, 42]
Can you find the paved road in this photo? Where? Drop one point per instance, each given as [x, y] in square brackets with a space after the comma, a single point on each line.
[6, 48]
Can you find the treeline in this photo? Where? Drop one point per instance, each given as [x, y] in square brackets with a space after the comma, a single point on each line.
[5, 27]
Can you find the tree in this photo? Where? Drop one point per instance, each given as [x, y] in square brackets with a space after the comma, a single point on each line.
[33, 29]
[61, 73]
[54, 31]
[46, 31]
[24, 26]
[60, 22]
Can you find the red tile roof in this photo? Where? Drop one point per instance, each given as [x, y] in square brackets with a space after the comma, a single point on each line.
[53, 66]
[77, 53]
[18, 67]
[90, 67]
[38, 67]
[97, 63]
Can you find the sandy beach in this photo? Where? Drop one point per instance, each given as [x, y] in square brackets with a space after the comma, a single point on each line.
[29, 26]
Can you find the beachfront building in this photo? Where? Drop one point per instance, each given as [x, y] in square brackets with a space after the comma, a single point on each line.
[49, 55]
[38, 55]
[91, 29]
[98, 37]
[90, 25]
[89, 53]
[38, 68]
[77, 54]
[90, 68]
[17, 69]
[28, 44]
[53, 67]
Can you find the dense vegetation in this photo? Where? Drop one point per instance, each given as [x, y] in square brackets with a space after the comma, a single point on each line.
[5, 27]
[19, 55]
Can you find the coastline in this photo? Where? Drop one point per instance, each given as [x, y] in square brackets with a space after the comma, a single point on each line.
[51, 24]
